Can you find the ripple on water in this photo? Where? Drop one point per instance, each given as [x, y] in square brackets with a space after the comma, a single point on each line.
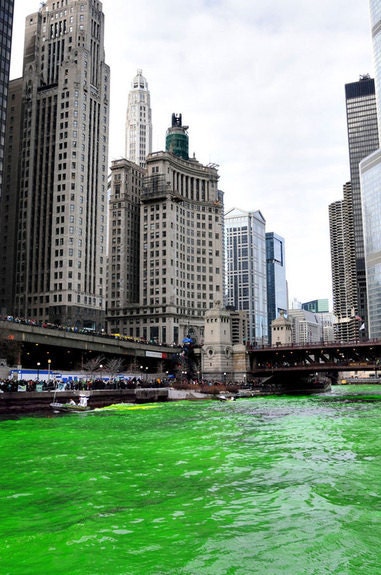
[279, 486]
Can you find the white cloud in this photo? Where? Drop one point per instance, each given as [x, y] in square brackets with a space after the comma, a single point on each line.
[261, 86]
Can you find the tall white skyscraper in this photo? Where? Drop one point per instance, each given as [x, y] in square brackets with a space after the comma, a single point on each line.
[139, 121]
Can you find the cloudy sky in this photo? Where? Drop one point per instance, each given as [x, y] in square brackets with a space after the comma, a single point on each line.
[261, 86]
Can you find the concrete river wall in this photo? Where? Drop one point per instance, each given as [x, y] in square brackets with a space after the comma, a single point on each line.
[33, 401]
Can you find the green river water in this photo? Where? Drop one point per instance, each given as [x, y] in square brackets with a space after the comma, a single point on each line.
[266, 485]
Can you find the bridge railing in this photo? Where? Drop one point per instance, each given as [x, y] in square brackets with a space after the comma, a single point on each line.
[325, 344]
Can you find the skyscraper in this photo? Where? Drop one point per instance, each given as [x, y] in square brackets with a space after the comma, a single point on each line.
[6, 22]
[362, 129]
[8, 199]
[61, 194]
[139, 121]
[6, 220]
[343, 267]
[277, 298]
[370, 170]
[124, 238]
[245, 255]
[181, 248]
[349, 285]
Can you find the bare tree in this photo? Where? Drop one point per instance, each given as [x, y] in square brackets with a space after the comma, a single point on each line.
[93, 364]
[114, 366]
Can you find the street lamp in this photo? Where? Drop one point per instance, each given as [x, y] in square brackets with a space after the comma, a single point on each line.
[38, 370]
[49, 363]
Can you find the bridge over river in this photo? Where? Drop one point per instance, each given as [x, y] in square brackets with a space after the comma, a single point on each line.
[329, 358]
[69, 349]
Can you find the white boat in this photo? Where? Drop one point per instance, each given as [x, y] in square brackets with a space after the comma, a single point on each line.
[223, 397]
[71, 406]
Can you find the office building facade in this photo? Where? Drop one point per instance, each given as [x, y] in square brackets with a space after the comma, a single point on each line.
[305, 327]
[139, 121]
[349, 282]
[6, 24]
[277, 298]
[7, 222]
[8, 199]
[245, 257]
[316, 306]
[123, 275]
[181, 249]
[343, 267]
[61, 194]
[370, 170]
[363, 139]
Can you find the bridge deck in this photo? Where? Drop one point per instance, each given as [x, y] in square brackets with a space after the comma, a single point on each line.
[34, 343]
[329, 357]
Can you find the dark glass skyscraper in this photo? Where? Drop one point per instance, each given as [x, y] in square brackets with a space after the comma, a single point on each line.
[362, 140]
[349, 285]
[245, 253]
[277, 300]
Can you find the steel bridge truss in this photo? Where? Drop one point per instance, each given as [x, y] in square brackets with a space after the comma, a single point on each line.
[330, 357]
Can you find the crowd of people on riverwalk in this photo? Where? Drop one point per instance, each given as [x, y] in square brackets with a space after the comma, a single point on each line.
[13, 385]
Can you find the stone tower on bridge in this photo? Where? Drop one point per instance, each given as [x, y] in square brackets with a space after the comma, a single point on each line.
[281, 331]
[221, 360]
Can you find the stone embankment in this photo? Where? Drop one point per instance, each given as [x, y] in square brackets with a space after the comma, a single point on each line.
[33, 401]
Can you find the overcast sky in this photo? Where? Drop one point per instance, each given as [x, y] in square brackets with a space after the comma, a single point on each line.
[261, 86]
